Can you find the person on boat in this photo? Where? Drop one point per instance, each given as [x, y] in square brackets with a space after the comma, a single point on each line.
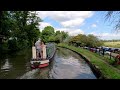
[38, 49]
[41, 49]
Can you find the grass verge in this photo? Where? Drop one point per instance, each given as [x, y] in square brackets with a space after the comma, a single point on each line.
[112, 44]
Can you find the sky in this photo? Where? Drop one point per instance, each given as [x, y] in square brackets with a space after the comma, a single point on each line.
[79, 22]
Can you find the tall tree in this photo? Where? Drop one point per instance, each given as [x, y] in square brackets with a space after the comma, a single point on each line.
[33, 31]
[46, 33]
[93, 41]
[83, 40]
[5, 24]
[20, 28]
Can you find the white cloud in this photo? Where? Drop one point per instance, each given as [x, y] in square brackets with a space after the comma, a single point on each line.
[94, 25]
[43, 25]
[107, 36]
[76, 32]
[70, 20]
[71, 32]
[73, 23]
[67, 18]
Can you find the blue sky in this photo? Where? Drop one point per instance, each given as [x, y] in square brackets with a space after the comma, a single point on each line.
[76, 22]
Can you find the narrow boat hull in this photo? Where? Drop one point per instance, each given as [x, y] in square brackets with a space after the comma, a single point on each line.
[39, 63]
[46, 57]
[40, 66]
[43, 65]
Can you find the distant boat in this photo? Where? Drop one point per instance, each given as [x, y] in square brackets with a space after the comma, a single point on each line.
[48, 53]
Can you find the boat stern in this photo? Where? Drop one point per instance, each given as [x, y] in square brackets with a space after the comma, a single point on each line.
[39, 63]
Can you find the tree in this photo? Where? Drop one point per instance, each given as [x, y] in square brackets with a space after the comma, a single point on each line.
[64, 35]
[51, 38]
[5, 29]
[20, 28]
[93, 41]
[83, 40]
[60, 36]
[46, 33]
[57, 33]
[49, 35]
[33, 31]
[79, 40]
[5, 22]
[115, 19]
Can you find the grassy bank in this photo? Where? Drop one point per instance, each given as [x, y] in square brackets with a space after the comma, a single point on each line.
[112, 44]
[107, 70]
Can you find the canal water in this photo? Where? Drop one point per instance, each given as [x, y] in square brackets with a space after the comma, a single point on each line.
[65, 64]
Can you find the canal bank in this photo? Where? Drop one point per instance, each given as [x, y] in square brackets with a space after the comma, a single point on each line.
[100, 67]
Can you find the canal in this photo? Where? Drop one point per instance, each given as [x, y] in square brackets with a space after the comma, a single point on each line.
[65, 64]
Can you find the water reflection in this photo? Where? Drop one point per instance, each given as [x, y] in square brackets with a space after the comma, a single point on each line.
[16, 64]
[69, 65]
[7, 66]
[30, 74]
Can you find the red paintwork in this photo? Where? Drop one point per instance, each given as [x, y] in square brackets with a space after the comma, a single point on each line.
[43, 65]
[40, 66]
